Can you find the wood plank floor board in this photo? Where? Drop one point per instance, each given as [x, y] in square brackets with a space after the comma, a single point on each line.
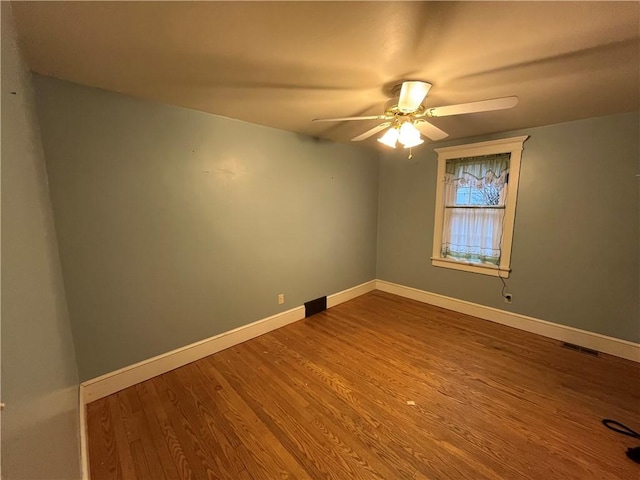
[150, 451]
[326, 397]
[396, 399]
[193, 416]
[634, 399]
[222, 439]
[170, 451]
[508, 369]
[346, 415]
[140, 462]
[145, 455]
[286, 424]
[104, 463]
[176, 414]
[356, 403]
[120, 425]
[262, 447]
[322, 418]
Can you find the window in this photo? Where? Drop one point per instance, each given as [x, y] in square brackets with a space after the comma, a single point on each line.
[475, 206]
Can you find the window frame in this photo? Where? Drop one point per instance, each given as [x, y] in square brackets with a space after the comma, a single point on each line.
[513, 146]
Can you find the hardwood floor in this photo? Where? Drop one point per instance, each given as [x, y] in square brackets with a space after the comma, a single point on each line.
[327, 397]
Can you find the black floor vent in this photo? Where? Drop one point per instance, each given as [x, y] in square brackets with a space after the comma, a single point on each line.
[315, 306]
[580, 349]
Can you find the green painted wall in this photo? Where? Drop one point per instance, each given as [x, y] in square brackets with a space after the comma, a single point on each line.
[39, 373]
[175, 225]
[576, 241]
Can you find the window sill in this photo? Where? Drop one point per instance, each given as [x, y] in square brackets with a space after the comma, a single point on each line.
[471, 267]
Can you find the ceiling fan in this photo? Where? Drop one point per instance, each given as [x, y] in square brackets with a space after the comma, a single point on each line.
[405, 116]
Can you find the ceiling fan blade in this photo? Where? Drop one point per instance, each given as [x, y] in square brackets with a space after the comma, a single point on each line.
[343, 119]
[411, 95]
[473, 107]
[430, 131]
[371, 132]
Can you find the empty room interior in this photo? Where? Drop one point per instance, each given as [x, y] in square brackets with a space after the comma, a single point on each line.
[320, 240]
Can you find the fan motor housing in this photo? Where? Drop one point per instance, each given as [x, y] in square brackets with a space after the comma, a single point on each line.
[391, 109]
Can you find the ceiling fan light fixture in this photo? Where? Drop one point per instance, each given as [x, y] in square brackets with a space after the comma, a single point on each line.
[413, 143]
[408, 131]
[404, 115]
[409, 135]
[390, 138]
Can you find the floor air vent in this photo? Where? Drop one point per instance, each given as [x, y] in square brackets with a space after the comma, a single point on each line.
[580, 349]
[315, 306]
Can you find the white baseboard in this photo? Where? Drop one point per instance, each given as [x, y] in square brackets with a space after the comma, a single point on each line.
[594, 341]
[84, 453]
[113, 382]
[350, 294]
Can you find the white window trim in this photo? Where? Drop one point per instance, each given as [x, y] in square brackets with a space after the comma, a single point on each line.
[514, 146]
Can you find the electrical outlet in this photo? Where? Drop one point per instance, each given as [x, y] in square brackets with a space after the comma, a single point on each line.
[507, 298]
[281, 299]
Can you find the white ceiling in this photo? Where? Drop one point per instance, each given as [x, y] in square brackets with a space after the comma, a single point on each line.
[282, 64]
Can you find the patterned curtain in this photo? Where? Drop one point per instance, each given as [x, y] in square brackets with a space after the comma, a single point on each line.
[475, 196]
